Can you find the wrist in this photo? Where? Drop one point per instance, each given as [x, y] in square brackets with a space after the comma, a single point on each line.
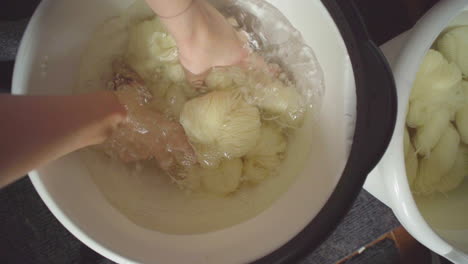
[189, 24]
[169, 8]
[109, 114]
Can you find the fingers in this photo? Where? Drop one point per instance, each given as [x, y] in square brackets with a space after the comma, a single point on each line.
[217, 45]
[178, 144]
[196, 80]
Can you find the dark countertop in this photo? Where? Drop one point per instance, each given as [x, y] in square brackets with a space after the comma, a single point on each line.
[29, 233]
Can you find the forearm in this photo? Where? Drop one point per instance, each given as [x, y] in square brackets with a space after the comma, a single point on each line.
[39, 129]
[169, 8]
[182, 18]
[204, 37]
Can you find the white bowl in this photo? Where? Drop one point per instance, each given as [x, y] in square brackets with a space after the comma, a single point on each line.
[48, 62]
[420, 221]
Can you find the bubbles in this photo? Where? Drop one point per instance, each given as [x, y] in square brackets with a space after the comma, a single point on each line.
[146, 134]
[272, 37]
[277, 84]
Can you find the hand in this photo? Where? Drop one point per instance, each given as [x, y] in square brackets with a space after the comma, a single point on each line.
[60, 125]
[205, 39]
[145, 134]
[214, 42]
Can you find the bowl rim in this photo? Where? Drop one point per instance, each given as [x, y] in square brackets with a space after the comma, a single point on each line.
[392, 168]
[347, 188]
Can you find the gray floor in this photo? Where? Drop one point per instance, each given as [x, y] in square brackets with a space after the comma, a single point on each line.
[367, 220]
[10, 36]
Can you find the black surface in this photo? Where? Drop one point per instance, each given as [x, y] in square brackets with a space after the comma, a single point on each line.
[385, 19]
[17, 9]
[6, 74]
[378, 14]
[10, 36]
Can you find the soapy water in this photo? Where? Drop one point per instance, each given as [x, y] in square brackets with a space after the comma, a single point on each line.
[281, 78]
[145, 134]
[272, 37]
[286, 89]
